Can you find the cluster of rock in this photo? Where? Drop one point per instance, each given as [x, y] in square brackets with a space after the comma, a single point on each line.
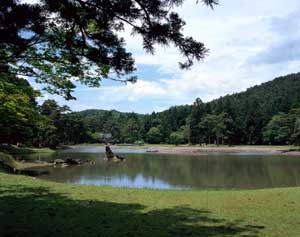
[71, 161]
[152, 151]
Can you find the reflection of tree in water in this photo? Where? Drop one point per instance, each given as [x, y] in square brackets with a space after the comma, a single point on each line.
[203, 172]
[215, 172]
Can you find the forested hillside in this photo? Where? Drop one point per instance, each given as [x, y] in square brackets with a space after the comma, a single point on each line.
[123, 127]
[249, 112]
[265, 114]
[240, 118]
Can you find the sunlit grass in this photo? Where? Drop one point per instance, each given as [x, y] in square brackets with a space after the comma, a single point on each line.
[41, 208]
[25, 150]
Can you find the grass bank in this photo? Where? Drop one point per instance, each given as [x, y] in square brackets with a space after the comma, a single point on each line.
[34, 207]
[7, 161]
[15, 150]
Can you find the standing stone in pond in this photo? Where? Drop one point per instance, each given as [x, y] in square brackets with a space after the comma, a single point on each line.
[109, 153]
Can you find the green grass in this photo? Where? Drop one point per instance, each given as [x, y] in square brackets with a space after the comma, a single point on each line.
[32, 207]
[8, 160]
[15, 150]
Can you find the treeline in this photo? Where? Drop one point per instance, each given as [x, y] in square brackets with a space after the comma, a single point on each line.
[247, 114]
[136, 128]
[241, 118]
[284, 128]
[265, 114]
[23, 121]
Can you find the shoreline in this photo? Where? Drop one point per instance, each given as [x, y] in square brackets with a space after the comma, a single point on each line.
[182, 149]
[204, 150]
[229, 150]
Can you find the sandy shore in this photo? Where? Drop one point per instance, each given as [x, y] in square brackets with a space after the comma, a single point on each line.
[197, 150]
[230, 150]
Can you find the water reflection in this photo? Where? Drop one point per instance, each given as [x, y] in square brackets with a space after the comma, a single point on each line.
[142, 170]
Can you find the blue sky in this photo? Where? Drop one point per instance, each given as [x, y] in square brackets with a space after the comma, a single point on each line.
[250, 42]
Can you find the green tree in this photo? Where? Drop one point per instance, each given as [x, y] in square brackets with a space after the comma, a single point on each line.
[58, 126]
[18, 109]
[54, 41]
[186, 130]
[176, 138]
[71, 129]
[283, 128]
[51, 109]
[198, 111]
[216, 127]
[277, 130]
[131, 130]
[296, 133]
[222, 128]
[46, 133]
[208, 127]
[154, 135]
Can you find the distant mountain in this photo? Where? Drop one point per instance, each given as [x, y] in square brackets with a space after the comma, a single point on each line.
[102, 112]
[107, 121]
[250, 111]
[278, 95]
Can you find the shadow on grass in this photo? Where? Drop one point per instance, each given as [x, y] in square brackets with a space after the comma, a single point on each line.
[27, 211]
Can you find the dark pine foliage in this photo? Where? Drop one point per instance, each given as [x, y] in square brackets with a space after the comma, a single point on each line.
[56, 41]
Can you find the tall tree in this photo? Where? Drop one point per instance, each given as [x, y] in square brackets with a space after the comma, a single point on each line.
[296, 132]
[18, 109]
[198, 111]
[207, 127]
[154, 135]
[176, 138]
[283, 128]
[59, 42]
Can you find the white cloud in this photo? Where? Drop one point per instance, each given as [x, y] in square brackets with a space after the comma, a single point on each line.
[30, 1]
[131, 92]
[236, 32]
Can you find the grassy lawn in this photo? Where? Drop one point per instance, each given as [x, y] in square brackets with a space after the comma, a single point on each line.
[15, 150]
[32, 207]
[8, 160]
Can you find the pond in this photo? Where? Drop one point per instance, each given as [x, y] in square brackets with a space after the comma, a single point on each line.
[144, 170]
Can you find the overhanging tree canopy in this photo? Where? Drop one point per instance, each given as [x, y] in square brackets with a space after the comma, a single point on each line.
[59, 42]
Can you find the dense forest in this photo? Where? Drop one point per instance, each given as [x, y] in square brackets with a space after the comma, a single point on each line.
[264, 114]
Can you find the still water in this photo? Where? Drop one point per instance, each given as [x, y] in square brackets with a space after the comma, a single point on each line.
[144, 170]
